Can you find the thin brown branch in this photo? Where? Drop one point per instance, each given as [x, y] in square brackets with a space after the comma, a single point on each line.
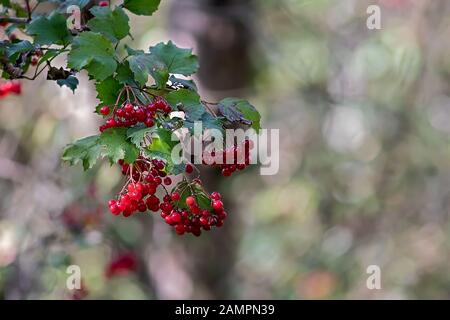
[14, 20]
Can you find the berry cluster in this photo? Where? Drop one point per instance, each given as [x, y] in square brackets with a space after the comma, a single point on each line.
[9, 87]
[193, 218]
[129, 114]
[185, 214]
[239, 154]
[140, 196]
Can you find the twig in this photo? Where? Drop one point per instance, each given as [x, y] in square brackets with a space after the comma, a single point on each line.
[27, 3]
[14, 20]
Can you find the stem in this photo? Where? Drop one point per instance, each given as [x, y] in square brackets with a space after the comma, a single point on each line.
[14, 20]
[27, 3]
[209, 109]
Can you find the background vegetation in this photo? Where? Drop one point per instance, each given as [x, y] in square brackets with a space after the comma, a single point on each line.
[364, 176]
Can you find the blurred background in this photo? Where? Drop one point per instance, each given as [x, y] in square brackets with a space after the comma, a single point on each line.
[364, 173]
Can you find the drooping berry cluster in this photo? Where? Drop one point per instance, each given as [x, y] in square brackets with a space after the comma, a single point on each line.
[138, 194]
[9, 87]
[180, 209]
[193, 218]
[231, 159]
[129, 114]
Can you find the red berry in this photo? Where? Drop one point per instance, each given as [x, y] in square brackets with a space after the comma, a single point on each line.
[168, 220]
[226, 172]
[149, 122]
[175, 196]
[215, 195]
[103, 3]
[204, 221]
[139, 187]
[189, 168]
[111, 122]
[115, 210]
[175, 217]
[190, 201]
[141, 206]
[217, 205]
[34, 61]
[167, 181]
[104, 110]
[128, 108]
[180, 229]
[120, 113]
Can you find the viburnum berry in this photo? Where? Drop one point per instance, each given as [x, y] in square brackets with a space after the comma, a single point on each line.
[189, 168]
[34, 60]
[103, 3]
[167, 181]
[9, 87]
[217, 205]
[175, 196]
[104, 110]
[190, 201]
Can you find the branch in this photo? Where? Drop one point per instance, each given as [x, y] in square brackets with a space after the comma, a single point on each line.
[14, 20]
[27, 2]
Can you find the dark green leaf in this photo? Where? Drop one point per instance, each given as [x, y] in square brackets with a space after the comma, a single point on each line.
[117, 146]
[51, 30]
[187, 101]
[142, 7]
[208, 122]
[108, 90]
[137, 134]
[143, 64]
[239, 110]
[177, 60]
[19, 47]
[112, 24]
[95, 53]
[70, 81]
[86, 150]
[49, 54]
[124, 73]
[188, 84]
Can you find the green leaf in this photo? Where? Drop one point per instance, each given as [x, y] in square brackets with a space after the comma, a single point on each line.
[166, 136]
[240, 110]
[188, 84]
[71, 82]
[19, 47]
[187, 101]
[143, 64]
[51, 30]
[86, 150]
[124, 73]
[137, 134]
[142, 7]
[208, 122]
[49, 54]
[117, 146]
[177, 60]
[112, 24]
[95, 53]
[108, 90]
